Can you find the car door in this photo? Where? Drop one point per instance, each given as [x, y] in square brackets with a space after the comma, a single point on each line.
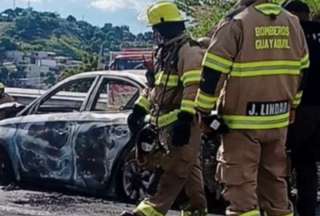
[44, 137]
[102, 131]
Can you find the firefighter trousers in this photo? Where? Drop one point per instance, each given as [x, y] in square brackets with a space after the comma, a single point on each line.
[252, 165]
[181, 170]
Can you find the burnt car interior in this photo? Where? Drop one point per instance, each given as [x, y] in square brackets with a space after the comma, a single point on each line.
[115, 95]
[95, 94]
[68, 98]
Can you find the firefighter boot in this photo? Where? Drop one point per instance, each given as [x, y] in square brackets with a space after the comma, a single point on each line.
[127, 213]
[249, 213]
[196, 212]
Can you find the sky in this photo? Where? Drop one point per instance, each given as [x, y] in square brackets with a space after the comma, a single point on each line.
[96, 12]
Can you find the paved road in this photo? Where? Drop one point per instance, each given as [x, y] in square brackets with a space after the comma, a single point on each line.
[19, 202]
[32, 203]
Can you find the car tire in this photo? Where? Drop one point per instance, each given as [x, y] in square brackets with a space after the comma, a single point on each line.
[6, 171]
[133, 183]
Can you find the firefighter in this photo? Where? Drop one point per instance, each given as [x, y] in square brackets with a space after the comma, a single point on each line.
[304, 136]
[252, 71]
[171, 105]
[4, 97]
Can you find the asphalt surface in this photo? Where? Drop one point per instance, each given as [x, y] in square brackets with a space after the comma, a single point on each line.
[19, 202]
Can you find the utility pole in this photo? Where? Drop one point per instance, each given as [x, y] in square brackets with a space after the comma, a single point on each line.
[29, 4]
[14, 4]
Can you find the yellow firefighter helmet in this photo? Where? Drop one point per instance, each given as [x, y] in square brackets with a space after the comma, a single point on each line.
[163, 12]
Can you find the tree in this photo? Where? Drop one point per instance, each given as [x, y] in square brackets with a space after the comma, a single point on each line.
[204, 14]
[50, 79]
[7, 44]
[107, 27]
[4, 74]
[315, 6]
[71, 18]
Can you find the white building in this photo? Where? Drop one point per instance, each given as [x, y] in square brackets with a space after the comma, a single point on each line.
[39, 65]
[34, 74]
[15, 56]
[47, 62]
[44, 55]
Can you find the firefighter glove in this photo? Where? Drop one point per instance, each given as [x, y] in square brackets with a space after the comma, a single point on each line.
[136, 119]
[181, 130]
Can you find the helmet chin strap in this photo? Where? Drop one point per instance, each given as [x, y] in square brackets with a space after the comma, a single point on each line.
[176, 38]
[161, 40]
[158, 38]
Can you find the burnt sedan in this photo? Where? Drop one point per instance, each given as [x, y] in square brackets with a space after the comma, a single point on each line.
[75, 136]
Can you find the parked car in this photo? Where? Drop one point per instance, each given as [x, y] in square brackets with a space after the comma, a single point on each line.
[75, 136]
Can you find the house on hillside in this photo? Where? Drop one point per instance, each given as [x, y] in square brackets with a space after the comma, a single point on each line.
[41, 68]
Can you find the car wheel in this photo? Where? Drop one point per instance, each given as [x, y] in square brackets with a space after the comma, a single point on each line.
[6, 172]
[135, 183]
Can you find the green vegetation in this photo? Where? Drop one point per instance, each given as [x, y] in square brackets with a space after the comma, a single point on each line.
[29, 30]
[315, 6]
[205, 14]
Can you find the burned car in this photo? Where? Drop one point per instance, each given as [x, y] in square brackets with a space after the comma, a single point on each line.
[75, 136]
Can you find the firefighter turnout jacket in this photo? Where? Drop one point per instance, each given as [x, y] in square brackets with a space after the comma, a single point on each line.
[257, 58]
[178, 74]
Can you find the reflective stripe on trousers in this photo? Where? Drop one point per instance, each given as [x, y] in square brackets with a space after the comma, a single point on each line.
[147, 209]
[198, 212]
[257, 122]
[253, 213]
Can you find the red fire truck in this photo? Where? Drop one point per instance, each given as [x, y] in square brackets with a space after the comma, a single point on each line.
[130, 58]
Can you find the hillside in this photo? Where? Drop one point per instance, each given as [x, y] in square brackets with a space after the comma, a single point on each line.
[4, 26]
[26, 29]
